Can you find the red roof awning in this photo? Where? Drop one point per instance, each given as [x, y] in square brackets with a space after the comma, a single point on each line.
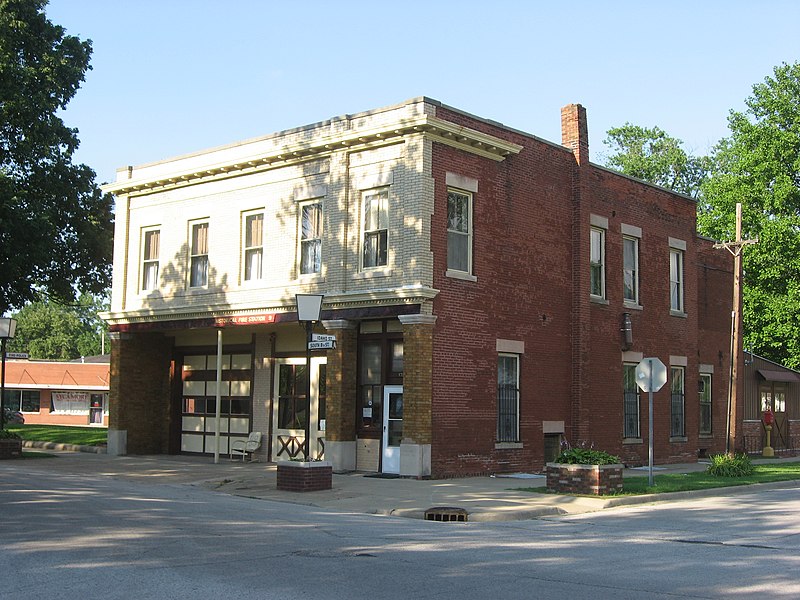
[787, 376]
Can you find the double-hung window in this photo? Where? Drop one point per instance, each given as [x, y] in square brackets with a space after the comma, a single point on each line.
[459, 231]
[630, 402]
[253, 246]
[310, 238]
[376, 228]
[597, 259]
[676, 280]
[198, 275]
[630, 269]
[508, 398]
[705, 403]
[151, 247]
[677, 425]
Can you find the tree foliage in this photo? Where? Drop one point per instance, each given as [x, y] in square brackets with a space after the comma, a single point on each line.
[651, 155]
[759, 166]
[55, 224]
[50, 330]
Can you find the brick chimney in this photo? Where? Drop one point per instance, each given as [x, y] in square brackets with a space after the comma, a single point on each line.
[575, 131]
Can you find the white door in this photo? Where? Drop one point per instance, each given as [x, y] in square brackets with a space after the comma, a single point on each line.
[392, 427]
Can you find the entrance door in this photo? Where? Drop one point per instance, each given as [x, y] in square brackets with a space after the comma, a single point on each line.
[392, 427]
[774, 397]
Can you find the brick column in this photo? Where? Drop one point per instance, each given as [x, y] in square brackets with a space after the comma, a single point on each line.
[139, 394]
[340, 409]
[415, 449]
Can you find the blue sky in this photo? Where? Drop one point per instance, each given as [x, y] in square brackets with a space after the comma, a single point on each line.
[172, 77]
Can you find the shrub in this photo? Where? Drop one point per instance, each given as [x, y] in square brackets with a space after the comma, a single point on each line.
[5, 434]
[730, 465]
[584, 456]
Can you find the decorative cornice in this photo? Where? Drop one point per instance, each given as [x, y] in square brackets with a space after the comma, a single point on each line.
[439, 130]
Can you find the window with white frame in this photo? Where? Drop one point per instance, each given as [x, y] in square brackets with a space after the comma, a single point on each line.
[676, 280]
[459, 231]
[311, 237]
[630, 269]
[630, 392]
[508, 398]
[198, 267]
[597, 262]
[705, 403]
[677, 390]
[253, 245]
[376, 228]
[151, 248]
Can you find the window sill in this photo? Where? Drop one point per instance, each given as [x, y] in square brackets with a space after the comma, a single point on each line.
[598, 300]
[631, 441]
[706, 436]
[197, 291]
[310, 278]
[632, 305]
[508, 445]
[371, 273]
[463, 275]
[678, 439]
[678, 313]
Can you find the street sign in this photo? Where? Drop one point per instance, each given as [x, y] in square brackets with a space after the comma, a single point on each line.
[320, 337]
[651, 375]
[326, 345]
[17, 355]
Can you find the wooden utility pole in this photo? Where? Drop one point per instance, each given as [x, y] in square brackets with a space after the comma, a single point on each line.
[735, 248]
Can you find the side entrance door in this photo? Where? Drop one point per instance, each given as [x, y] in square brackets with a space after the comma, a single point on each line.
[392, 427]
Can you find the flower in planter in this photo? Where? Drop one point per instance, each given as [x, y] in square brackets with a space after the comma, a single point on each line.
[583, 456]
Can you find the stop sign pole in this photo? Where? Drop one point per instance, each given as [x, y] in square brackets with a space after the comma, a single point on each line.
[651, 375]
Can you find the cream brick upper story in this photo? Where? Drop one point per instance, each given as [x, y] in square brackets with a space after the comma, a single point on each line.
[336, 163]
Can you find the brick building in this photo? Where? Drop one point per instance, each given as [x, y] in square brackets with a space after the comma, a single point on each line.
[49, 392]
[490, 293]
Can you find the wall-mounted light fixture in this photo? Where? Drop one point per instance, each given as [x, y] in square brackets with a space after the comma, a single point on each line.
[627, 331]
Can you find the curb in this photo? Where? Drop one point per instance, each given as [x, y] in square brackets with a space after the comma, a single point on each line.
[64, 447]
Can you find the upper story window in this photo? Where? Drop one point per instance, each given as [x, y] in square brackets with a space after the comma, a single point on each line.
[151, 248]
[597, 259]
[676, 280]
[253, 246]
[198, 273]
[311, 237]
[459, 231]
[630, 269]
[376, 228]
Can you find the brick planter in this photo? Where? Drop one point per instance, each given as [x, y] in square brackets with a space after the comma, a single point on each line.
[305, 476]
[10, 448]
[594, 480]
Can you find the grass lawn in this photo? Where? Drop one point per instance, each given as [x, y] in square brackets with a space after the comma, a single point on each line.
[683, 482]
[84, 436]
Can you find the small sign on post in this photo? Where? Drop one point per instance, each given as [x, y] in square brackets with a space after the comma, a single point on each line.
[321, 337]
[651, 375]
[326, 345]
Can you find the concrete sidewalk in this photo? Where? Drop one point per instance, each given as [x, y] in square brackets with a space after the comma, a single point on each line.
[484, 498]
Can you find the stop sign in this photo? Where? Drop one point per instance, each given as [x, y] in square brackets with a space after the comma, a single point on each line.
[651, 375]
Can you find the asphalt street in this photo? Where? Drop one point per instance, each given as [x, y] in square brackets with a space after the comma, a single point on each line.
[70, 536]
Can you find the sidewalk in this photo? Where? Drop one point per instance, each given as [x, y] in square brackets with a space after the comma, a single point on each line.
[484, 498]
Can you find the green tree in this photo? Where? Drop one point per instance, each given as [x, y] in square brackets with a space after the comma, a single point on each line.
[651, 155]
[55, 224]
[759, 166]
[51, 330]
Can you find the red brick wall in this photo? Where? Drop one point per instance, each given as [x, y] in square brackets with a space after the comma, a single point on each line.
[531, 228]
[140, 391]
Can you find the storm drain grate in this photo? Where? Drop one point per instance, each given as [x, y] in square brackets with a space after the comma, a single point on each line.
[446, 513]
